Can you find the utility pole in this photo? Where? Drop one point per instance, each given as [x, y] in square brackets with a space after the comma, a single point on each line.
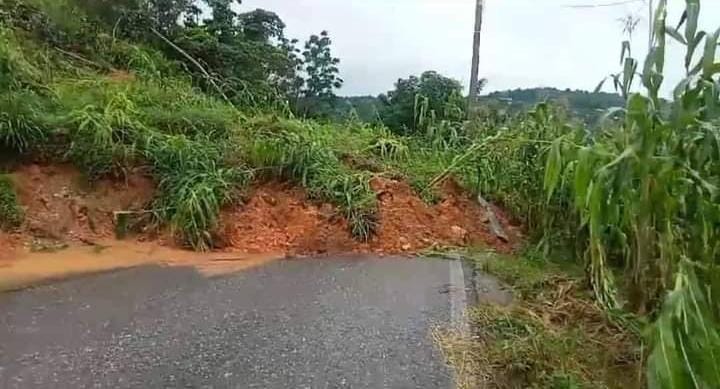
[476, 53]
[651, 23]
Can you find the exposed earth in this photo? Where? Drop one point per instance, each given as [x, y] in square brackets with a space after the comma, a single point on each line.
[63, 212]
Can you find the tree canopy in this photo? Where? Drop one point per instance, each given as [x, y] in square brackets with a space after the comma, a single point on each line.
[437, 95]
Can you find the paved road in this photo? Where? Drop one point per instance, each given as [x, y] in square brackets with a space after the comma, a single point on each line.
[321, 323]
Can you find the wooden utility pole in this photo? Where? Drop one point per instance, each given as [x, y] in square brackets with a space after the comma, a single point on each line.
[474, 76]
[651, 24]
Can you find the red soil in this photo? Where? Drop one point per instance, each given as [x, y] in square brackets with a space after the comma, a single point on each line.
[59, 203]
[409, 224]
[280, 218]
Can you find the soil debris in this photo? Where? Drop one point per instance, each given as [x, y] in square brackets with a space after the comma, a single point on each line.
[278, 217]
[31, 268]
[61, 205]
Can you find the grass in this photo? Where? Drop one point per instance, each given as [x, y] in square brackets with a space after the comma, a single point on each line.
[552, 336]
[20, 127]
[301, 152]
[11, 214]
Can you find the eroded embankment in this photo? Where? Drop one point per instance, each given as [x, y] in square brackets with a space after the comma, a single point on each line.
[70, 226]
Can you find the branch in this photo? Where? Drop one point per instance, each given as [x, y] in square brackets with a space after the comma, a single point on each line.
[195, 62]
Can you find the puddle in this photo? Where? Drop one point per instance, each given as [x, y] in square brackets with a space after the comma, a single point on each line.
[27, 269]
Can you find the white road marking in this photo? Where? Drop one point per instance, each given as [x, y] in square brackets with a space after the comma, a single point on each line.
[458, 298]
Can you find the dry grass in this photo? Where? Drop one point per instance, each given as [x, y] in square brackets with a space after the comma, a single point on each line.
[552, 336]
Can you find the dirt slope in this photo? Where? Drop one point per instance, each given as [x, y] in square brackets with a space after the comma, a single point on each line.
[279, 217]
[62, 209]
[60, 204]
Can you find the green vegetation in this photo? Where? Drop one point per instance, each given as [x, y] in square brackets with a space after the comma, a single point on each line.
[550, 336]
[638, 197]
[587, 106]
[208, 106]
[11, 215]
[303, 153]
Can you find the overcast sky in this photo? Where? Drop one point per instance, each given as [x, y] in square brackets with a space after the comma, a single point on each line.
[525, 43]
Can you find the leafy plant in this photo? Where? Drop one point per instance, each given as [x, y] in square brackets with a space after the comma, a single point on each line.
[11, 214]
[191, 201]
[20, 124]
[647, 194]
[418, 103]
[300, 152]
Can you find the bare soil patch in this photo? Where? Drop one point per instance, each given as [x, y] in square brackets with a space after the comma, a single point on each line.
[60, 205]
[278, 217]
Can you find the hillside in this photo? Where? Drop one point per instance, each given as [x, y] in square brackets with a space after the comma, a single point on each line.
[583, 104]
[201, 126]
[80, 105]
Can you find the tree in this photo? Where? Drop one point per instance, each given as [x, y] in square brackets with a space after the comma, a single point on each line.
[442, 96]
[248, 52]
[321, 68]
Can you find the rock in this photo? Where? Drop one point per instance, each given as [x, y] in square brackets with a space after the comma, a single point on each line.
[406, 247]
[270, 200]
[459, 232]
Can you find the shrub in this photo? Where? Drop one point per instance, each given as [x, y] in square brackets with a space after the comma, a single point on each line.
[11, 214]
[20, 127]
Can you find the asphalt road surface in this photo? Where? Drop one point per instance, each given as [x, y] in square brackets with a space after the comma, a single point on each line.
[352, 322]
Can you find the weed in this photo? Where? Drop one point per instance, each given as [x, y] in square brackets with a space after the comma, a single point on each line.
[20, 127]
[294, 150]
[191, 202]
[11, 214]
[552, 335]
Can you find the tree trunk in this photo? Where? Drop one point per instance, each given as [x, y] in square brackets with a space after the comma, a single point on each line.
[474, 77]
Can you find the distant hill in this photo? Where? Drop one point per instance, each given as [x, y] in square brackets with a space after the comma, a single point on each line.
[583, 104]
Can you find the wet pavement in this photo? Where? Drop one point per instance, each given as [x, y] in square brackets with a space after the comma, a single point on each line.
[344, 322]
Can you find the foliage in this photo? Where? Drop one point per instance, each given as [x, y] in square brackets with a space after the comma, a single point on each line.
[511, 170]
[646, 192]
[588, 106]
[550, 336]
[20, 126]
[321, 67]
[191, 201]
[11, 214]
[318, 95]
[417, 102]
[302, 152]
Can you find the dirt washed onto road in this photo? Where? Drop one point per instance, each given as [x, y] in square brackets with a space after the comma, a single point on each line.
[70, 226]
[28, 268]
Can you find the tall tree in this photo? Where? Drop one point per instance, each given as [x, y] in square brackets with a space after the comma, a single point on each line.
[474, 77]
[321, 67]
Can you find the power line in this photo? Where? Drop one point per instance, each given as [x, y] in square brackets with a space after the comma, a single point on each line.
[614, 4]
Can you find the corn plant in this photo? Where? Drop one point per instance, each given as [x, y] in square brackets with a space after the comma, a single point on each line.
[387, 146]
[647, 193]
